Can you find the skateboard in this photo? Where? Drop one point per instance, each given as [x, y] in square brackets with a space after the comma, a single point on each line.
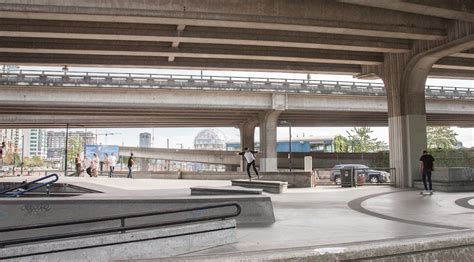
[426, 193]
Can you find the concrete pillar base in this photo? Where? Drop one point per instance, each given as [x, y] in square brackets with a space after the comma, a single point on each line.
[268, 164]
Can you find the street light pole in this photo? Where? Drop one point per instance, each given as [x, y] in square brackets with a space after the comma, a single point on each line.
[65, 151]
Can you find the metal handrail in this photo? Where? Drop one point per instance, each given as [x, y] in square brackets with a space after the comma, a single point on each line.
[122, 228]
[18, 193]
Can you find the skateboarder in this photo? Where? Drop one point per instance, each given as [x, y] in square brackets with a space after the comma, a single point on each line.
[250, 158]
[426, 166]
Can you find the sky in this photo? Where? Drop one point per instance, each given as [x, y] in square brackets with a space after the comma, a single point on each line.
[185, 136]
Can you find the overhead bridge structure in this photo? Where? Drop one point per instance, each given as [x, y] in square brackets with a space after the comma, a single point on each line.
[54, 99]
[401, 42]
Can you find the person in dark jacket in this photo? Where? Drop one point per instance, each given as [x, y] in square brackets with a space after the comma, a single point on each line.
[427, 166]
[130, 164]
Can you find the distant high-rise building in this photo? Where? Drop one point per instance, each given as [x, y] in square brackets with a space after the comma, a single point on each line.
[145, 140]
[35, 143]
[12, 139]
[56, 142]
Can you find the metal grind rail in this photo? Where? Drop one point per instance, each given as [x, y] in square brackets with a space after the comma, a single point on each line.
[214, 82]
[24, 188]
[122, 228]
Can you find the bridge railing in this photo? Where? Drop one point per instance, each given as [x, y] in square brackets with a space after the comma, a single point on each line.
[213, 82]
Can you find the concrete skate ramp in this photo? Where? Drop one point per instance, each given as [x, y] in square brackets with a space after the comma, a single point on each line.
[256, 210]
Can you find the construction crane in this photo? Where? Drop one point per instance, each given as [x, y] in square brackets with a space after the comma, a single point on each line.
[107, 134]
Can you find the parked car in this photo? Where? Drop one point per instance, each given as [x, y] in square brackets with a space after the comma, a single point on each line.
[371, 175]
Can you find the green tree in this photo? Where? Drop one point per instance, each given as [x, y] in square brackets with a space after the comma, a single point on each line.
[75, 146]
[360, 141]
[341, 144]
[441, 137]
[35, 161]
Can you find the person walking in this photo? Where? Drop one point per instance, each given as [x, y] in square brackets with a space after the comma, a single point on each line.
[130, 164]
[250, 158]
[87, 166]
[78, 165]
[112, 161]
[95, 165]
[426, 165]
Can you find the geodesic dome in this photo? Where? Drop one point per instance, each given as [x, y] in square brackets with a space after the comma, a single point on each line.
[210, 139]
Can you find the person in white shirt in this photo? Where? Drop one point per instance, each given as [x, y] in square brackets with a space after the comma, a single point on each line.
[250, 158]
[112, 161]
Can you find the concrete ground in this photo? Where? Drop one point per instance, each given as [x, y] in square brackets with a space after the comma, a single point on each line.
[323, 215]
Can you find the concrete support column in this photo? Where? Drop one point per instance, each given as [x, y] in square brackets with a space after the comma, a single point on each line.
[405, 79]
[247, 134]
[405, 76]
[247, 138]
[268, 141]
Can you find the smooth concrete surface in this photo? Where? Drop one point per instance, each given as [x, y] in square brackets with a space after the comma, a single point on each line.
[327, 216]
[457, 246]
[226, 190]
[276, 187]
[148, 243]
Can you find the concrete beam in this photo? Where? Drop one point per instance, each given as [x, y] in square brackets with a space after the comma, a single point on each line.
[325, 17]
[455, 63]
[193, 34]
[183, 63]
[109, 48]
[457, 10]
[448, 73]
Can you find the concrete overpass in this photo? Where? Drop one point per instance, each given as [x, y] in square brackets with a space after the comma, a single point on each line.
[401, 42]
[218, 157]
[124, 100]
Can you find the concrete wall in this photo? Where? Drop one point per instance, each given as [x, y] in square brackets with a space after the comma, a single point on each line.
[294, 179]
[451, 179]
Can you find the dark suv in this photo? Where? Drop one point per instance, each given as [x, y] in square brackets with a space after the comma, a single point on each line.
[371, 176]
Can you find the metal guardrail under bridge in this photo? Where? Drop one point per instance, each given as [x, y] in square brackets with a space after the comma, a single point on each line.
[214, 82]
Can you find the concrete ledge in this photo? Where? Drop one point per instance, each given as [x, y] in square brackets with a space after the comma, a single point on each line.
[153, 243]
[227, 190]
[145, 174]
[276, 187]
[213, 175]
[453, 246]
[294, 179]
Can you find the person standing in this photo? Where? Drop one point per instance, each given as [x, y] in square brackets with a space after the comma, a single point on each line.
[95, 165]
[2, 148]
[130, 164]
[87, 166]
[78, 165]
[105, 163]
[112, 161]
[250, 158]
[426, 165]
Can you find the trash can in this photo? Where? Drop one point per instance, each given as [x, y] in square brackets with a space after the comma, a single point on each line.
[347, 178]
